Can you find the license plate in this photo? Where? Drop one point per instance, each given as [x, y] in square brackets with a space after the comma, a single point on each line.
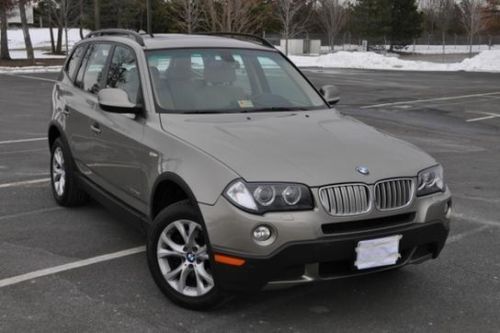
[377, 252]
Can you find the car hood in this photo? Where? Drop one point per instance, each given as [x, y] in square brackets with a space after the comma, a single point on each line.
[314, 148]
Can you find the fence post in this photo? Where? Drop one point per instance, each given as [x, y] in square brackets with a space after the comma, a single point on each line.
[414, 45]
[456, 41]
[490, 42]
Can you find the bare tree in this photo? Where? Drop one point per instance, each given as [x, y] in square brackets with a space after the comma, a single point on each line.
[333, 17]
[188, 13]
[444, 14]
[5, 6]
[241, 16]
[293, 15]
[26, 31]
[472, 18]
[65, 13]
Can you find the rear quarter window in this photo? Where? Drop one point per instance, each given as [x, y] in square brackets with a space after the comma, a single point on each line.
[75, 61]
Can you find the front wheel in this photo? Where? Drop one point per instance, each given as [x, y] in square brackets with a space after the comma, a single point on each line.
[179, 259]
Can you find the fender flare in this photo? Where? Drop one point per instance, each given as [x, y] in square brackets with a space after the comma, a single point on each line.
[176, 179]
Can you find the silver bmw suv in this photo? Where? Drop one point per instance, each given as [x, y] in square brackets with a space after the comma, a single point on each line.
[242, 174]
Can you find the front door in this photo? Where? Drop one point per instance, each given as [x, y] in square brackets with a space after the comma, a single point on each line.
[119, 156]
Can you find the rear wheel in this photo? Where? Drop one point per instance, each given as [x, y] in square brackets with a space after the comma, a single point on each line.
[179, 260]
[64, 183]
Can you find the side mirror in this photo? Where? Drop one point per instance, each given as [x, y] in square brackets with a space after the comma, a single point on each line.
[116, 101]
[331, 94]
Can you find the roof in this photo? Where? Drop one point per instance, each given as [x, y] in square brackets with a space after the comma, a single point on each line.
[166, 41]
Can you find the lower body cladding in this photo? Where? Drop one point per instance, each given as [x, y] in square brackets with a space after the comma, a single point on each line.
[303, 248]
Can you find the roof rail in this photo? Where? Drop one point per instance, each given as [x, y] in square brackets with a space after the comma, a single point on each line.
[243, 36]
[117, 32]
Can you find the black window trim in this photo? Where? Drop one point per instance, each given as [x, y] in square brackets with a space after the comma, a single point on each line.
[140, 98]
[79, 64]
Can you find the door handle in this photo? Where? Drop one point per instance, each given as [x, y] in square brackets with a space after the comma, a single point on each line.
[66, 111]
[96, 128]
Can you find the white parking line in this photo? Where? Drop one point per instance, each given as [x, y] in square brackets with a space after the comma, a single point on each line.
[429, 100]
[66, 267]
[21, 141]
[487, 115]
[458, 237]
[25, 182]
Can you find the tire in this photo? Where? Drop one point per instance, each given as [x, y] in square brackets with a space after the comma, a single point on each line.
[181, 268]
[64, 183]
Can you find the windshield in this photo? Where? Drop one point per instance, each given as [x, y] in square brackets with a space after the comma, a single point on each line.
[228, 80]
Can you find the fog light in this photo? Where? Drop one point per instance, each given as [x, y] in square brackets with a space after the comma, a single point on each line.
[262, 233]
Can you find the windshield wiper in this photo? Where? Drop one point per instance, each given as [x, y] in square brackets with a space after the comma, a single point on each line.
[276, 108]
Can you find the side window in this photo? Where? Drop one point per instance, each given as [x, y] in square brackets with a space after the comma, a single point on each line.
[95, 68]
[123, 73]
[81, 69]
[75, 60]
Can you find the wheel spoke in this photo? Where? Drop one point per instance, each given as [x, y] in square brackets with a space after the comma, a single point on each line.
[200, 286]
[192, 233]
[173, 273]
[181, 285]
[170, 243]
[167, 253]
[182, 231]
[202, 272]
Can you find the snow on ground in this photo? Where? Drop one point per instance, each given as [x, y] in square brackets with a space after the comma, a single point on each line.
[39, 54]
[486, 61]
[421, 49]
[30, 69]
[40, 38]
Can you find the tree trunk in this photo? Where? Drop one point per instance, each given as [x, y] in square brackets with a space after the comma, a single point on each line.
[60, 29]
[4, 47]
[82, 11]
[97, 14]
[26, 30]
[471, 40]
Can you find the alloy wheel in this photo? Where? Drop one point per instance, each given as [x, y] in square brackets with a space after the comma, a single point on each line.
[183, 258]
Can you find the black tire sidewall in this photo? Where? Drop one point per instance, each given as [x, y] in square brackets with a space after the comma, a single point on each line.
[178, 211]
[73, 195]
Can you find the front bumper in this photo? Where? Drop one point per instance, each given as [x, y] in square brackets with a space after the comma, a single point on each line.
[331, 258]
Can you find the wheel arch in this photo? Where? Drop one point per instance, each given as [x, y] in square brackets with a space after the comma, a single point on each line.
[168, 189]
[55, 131]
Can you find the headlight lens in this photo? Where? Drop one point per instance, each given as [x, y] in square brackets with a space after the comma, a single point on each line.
[261, 198]
[430, 181]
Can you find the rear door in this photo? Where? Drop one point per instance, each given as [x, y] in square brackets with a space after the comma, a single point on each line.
[120, 159]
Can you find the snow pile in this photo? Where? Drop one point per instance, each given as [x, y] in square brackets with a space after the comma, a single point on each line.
[487, 61]
[40, 38]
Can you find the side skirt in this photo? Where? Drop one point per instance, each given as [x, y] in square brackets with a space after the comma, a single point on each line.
[119, 208]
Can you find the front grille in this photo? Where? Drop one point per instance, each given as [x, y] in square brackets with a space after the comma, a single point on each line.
[345, 200]
[394, 193]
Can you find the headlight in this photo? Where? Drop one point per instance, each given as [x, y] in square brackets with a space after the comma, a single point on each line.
[430, 181]
[260, 198]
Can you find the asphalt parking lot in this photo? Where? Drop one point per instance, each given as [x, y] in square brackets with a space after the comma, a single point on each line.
[453, 116]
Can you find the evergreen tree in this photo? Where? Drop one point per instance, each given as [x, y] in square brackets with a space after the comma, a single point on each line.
[394, 21]
[406, 23]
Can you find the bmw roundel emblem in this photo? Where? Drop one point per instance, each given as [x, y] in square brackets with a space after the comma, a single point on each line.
[363, 170]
